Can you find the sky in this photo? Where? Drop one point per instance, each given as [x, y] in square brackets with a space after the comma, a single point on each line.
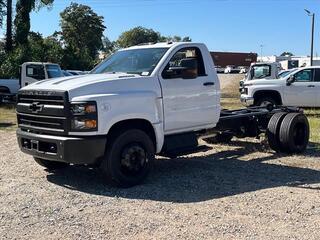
[224, 25]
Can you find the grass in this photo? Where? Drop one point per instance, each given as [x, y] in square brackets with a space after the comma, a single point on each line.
[8, 119]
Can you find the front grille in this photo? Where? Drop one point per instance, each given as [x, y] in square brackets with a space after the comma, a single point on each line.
[43, 112]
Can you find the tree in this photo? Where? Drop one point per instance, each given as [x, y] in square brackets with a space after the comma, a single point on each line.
[82, 33]
[177, 39]
[9, 27]
[22, 19]
[286, 54]
[2, 11]
[136, 36]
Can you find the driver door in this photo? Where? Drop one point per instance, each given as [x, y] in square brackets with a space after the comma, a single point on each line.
[302, 92]
[189, 102]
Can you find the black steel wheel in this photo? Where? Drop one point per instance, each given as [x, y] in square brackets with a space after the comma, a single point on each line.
[294, 133]
[273, 131]
[265, 101]
[50, 165]
[129, 158]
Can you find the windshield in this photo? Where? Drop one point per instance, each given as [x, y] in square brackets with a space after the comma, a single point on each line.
[284, 74]
[135, 61]
[260, 71]
[54, 71]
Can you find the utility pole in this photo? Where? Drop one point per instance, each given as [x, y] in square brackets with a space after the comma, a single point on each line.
[312, 34]
[261, 50]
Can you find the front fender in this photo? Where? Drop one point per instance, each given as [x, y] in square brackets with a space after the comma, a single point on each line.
[117, 107]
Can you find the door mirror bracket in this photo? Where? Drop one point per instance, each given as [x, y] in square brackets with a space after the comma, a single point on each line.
[290, 80]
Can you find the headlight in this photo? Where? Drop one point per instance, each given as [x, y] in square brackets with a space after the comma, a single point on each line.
[84, 116]
[83, 108]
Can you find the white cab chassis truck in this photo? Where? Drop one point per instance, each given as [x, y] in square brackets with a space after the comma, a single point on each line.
[30, 72]
[142, 101]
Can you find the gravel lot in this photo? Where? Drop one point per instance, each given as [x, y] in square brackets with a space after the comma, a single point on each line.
[237, 191]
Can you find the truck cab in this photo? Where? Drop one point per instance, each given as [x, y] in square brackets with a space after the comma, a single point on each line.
[30, 72]
[299, 87]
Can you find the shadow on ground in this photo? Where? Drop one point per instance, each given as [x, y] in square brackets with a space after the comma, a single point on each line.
[197, 179]
[6, 125]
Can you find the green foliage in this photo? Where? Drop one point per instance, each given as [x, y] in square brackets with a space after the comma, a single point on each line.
[285, 54]
[38, 49]
[2, 11]
[177, 39]
[45, 49]
[76, 46]
[136, 36]
[139, 35]
[22, 19]
[82, 32]
[10, 65]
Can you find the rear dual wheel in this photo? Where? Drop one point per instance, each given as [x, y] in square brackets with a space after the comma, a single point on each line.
[288, 133]
[294, 133]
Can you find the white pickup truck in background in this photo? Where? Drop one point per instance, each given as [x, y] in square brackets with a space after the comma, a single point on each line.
[30, 72]
[141, 101]
[298, 87]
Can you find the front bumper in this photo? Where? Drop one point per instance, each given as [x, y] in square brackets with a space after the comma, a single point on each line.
[76, 150]
[247, 101]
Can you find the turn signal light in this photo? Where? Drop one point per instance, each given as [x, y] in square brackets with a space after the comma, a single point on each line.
[90, 123]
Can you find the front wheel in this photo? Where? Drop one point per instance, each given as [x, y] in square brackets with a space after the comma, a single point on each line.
[129, 158]
[263, 102]
[50, 165]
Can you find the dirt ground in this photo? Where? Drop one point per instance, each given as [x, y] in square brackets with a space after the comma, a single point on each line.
[237, 191]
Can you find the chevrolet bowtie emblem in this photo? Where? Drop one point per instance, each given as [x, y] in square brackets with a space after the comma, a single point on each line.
[36, 107]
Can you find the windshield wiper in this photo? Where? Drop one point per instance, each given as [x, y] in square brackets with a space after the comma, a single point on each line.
[138, 73]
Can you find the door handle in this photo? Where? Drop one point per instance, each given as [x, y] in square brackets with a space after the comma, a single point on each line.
[311, 85]
[208, 84]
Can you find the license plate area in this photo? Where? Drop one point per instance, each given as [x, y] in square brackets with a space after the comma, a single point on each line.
[39, 146]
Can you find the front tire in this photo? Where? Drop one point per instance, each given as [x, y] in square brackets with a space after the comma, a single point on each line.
[265, 101]
[129, 158]
[50, 165]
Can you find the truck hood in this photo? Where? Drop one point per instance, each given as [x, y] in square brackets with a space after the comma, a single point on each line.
[72, 82]
[93, 84]
[264, 81]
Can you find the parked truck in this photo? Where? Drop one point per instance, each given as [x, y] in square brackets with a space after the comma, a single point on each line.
[30, 72]
[299, 87]
[142, 101]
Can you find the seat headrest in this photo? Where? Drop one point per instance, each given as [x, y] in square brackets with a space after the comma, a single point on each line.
[190, 63]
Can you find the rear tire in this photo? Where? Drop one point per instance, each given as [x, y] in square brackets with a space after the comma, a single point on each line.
[273, 131]
[50, 165]
[129, 158]
[294, 133]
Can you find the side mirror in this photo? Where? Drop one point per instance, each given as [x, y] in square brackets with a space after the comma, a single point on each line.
[290, 80]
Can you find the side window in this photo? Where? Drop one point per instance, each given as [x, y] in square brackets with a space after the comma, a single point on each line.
[304, 76]
[186, 63]
[260, 71]
[317, 75]
[36, 72]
